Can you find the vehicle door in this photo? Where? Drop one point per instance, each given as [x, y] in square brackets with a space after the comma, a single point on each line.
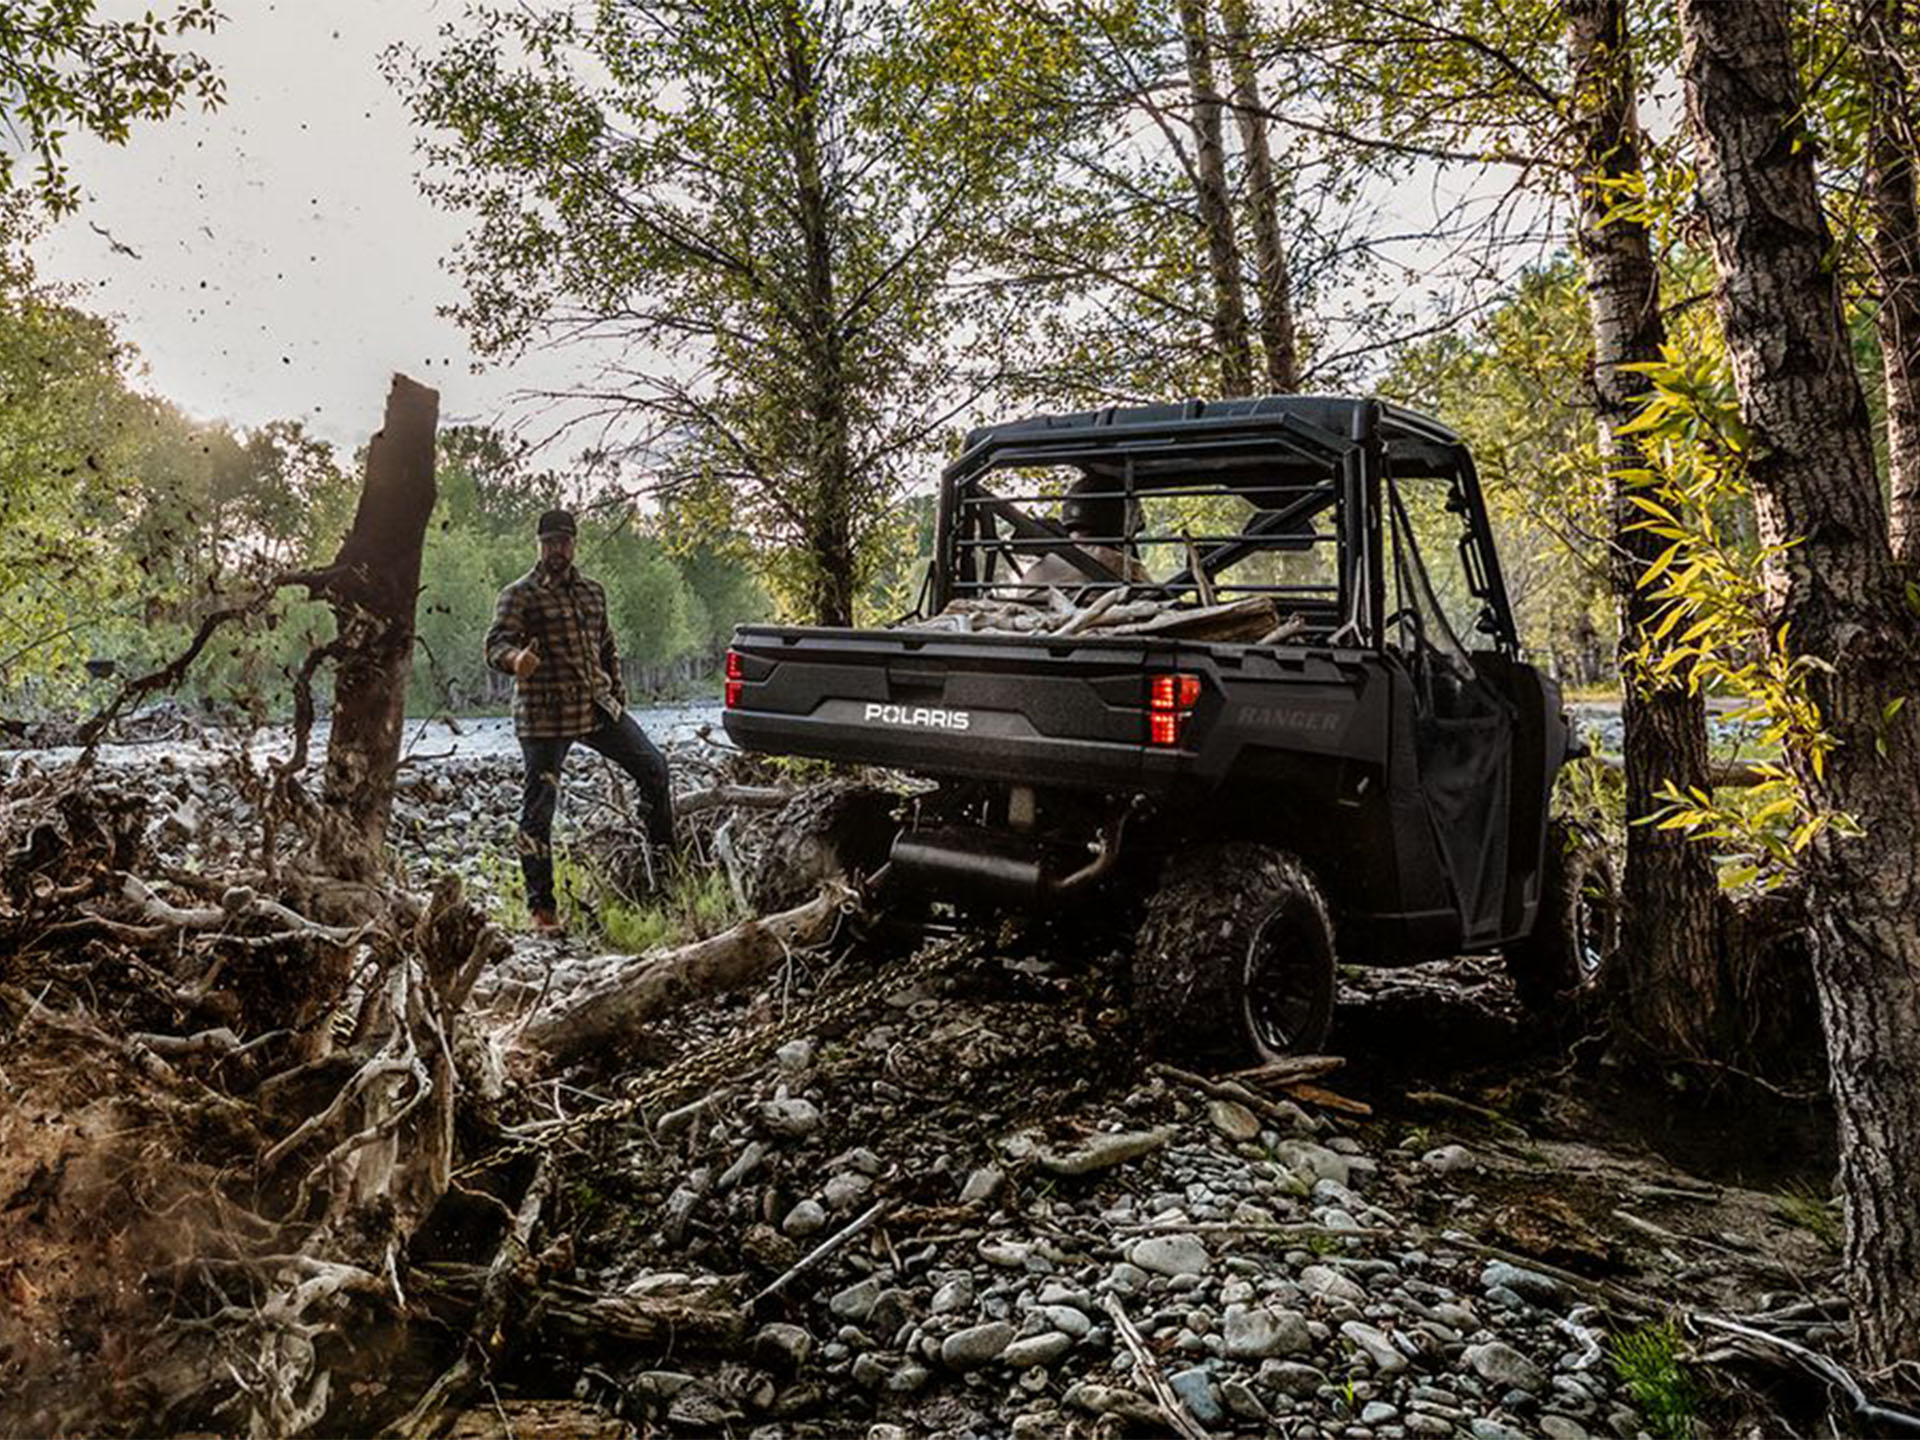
[1441, 625]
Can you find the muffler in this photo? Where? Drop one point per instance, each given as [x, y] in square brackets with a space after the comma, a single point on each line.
[967, 862]
[972, 863]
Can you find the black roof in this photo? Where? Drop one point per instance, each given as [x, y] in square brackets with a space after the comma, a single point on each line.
[1290, 429]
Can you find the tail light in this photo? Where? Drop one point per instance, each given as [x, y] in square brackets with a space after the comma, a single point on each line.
[735, 674]
[1170, 701]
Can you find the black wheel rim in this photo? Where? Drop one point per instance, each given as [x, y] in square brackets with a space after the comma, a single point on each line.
[1285, 973]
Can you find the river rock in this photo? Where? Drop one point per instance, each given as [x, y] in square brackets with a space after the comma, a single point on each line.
[856, 1301]
[791, 1119]
[845, 1189]
[806, 1218]
[1260, 1333]
[1233, 1120]
[955, 1295]
[1330, 1284]
[1290, 1377]
[1037, 1350]
[1171, 1255]
[1528, 1284]
[1500, 1364]
[1377, 1347]
[1196, 1391]
[976, 1345]
[982, 1185]
[782, 1347]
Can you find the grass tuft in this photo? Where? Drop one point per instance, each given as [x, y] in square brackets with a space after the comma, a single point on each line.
[1647, 1361]
[1803, 1206]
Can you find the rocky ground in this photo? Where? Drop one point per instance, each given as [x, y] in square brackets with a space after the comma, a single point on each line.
[1285, 1268]
[1030, 1230]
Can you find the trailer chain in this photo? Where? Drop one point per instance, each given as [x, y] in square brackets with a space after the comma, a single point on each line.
[705, 1069]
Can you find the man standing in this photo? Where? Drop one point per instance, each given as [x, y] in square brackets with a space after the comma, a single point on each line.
[550, 632]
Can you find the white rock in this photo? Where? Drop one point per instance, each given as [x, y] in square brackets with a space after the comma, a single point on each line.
[1258, 1333]
[791, 1119]
[1171, 1255]
[982, 1185]
[806, 1218]
[1037, 1350]
[955, 1295]
[1232, 1119]
[1447, 1158]
[1330, 1284]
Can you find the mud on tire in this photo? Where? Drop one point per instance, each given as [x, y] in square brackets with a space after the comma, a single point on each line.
[824, 830]
[1578, 925]
[1234, 960]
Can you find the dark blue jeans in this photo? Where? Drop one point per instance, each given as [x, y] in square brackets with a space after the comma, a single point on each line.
[621, 741]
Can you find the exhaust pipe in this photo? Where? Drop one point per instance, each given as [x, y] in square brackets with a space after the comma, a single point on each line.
[973, 863]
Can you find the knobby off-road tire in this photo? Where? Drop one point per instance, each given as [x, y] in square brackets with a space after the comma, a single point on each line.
[825, 830]
[1234, 960]
[1577, 928]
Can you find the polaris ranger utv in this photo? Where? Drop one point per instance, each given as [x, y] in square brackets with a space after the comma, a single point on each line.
[1368, 780]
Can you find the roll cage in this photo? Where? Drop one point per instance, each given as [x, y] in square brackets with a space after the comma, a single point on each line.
[1316, 471]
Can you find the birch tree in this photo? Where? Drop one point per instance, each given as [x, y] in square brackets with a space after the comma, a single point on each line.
[1835, 593]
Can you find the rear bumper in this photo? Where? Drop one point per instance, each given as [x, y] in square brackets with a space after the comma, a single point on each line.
[997, 746]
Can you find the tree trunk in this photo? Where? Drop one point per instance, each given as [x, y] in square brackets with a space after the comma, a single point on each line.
[1839, 590]
[1277, 344]
[1669, 952]
[372, 585]
[833, 553]
[1230, 342]
[1885, 32]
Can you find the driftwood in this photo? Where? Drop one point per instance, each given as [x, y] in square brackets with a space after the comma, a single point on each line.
[582, 1321]
[1147, 1370]
[1254, 619]
[657, 984]
[736, 797]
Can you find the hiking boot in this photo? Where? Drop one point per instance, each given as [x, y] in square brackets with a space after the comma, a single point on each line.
[545, 920]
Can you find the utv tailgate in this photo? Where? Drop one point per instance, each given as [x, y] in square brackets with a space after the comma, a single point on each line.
[988, 707]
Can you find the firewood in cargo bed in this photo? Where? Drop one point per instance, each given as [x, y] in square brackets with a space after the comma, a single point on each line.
[1244, 620]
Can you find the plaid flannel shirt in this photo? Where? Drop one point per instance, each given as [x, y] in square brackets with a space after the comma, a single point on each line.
[577, 683]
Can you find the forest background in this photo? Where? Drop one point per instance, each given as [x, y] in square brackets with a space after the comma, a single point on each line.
[1082, 280]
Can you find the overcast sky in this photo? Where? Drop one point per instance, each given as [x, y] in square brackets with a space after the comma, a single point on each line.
[286, 263]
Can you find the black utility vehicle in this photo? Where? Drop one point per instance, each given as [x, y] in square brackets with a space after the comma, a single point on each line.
[1376, 773]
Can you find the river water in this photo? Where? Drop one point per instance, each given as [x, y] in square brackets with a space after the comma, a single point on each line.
[481, 738]
[492, 736]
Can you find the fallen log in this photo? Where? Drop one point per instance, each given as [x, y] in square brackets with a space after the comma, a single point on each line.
[725, 797]
[655, 985]
[584, 1322]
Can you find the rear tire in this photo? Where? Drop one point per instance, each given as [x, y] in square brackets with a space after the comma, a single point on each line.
[1577, 928]
[1234, 961]
[842, 827]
